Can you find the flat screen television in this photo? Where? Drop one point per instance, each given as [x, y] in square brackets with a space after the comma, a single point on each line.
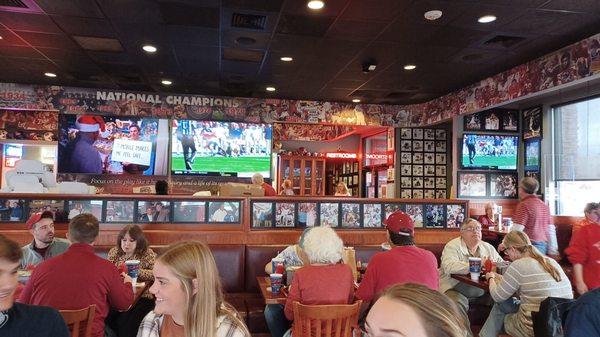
[493, 152]
[227, 149]
[113, 145]
[532, 154]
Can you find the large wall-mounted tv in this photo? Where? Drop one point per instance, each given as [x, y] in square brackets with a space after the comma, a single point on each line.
[113, 145]
[493, 152]
[227, 149]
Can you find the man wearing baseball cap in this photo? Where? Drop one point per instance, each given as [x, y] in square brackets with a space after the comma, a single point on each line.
[404, 263]
[44, 244]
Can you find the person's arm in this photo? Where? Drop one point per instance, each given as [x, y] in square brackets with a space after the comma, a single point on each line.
[293, 296]
[146, 265]
[521, 217]
[452, 262]
[578, 254]
[25, 296]
[366, 289]
[112, 255]
[579, 282]
[120, 293]
[503, 288]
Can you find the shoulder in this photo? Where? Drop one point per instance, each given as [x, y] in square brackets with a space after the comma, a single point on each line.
[62, 242]
[228, 326]
[113, 251]
[36, 313]
[453, 244]
[149, 253]
[150, 325]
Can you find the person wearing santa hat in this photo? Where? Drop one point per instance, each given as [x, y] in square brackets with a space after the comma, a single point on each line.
[84, 157]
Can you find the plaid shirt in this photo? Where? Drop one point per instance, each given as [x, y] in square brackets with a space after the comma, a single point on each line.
[226, 326]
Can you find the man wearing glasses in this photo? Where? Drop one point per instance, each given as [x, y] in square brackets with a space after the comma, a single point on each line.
[455, 260]
[44, 244]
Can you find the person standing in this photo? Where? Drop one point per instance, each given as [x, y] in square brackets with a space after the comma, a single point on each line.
[44, 245]
[533, 214]
[584, 254]
[186, 131]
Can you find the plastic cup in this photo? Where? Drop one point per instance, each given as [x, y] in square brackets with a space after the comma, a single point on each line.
[475, 268]
[275, 262]
[133, 269]
[276, 283]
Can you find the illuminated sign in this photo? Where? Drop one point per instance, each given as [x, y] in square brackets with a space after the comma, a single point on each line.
[341, 155]
[373, 156]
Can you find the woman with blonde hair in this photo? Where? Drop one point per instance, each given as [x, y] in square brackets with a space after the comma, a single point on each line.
[531, 275]
[341, 190]
[189, 297]
[287, 188]
[413, 310]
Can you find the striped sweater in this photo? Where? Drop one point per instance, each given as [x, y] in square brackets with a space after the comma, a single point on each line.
[527, 279]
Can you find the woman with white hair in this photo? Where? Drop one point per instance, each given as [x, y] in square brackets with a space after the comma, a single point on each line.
[487, 219]
[324, 280]
[259, 180]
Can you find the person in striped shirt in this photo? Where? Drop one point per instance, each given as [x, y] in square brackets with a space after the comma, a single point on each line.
[532, 277]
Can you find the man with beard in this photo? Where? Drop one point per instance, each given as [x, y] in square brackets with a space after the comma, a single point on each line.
[44, 244]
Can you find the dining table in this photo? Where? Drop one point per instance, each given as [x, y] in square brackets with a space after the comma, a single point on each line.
[264, 283]
[480, 283]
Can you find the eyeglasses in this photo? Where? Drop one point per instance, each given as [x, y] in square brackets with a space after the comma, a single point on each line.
[472, 229]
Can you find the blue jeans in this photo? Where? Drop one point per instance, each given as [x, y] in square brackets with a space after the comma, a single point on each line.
[276, 321]
[541, 246]
[494, 324]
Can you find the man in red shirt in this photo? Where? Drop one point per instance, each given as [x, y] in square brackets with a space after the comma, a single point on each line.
[258, 179]
[404, 263]
[78, 278]
[533, 214]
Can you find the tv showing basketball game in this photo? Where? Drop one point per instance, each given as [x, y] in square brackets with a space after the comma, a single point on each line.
[227, 149]
[494, 152]
[91, 144]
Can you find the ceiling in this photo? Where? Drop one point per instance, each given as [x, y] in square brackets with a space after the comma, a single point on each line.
[97, 43]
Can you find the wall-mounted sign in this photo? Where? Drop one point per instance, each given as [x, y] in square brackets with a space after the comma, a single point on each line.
[341, 155]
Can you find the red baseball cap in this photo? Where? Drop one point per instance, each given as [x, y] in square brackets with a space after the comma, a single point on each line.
[400, 223]
[36, 217]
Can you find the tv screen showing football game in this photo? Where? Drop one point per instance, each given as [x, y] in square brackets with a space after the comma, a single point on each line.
[532, 155]
[91, 144]
[494, 152]
[227, 149]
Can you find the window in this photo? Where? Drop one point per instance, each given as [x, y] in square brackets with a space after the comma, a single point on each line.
[576, 156]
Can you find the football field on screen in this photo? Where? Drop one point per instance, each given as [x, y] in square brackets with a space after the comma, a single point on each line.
[225, 164]
[490, 161]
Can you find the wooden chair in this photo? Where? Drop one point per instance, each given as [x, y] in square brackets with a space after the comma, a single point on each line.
[325, 320]
[80, 320]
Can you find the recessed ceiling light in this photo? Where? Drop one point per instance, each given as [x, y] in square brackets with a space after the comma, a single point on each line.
[356, 100]
[166, 82]
[315, 4]
[50, 74]
[286, 59]
[486, 19]
[433, 15]
[1, 37]
[149, 48]
[410, 67]
[270, 88]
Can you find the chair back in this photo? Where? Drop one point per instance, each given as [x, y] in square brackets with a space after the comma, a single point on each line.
[325, 320]
[80, 321]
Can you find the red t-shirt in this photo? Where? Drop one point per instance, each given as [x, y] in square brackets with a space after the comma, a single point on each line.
[404, 264]
[485, 221]
[534, 214]
[585, 250]
[269, 190]
[317, 285]
[77, 279]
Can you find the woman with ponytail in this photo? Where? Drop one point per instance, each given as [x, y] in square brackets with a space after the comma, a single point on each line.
[189, 299]
[531, 276]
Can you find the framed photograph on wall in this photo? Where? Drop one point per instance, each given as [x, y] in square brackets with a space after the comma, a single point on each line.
[405, 157]
[417, 182]
[76, 207]
[491, 121]
[406, 170]
[405, 182]
[406, 145]
[429, 194]
[472, 185]
[372, 215]
[455, 215]
[472, 122]
[417, 158]
[510, 121]
[532, 154]
[532, 122]
[417, 133]
[435, 216]
[406, 133]
[350, 215]
[262, 214]
[416, 214]
[440, 134]
[440, 146]
[440, 194]
[430, 170]
[219, 211]
[429, 158]
[503, 185]
[429, 182]
[329, 214]
[440, 182]
[440, 170]
[417, 145]
[440, 158]
[429, 134]
[417, 170]
[154, 211]
[418, 194]
[284, 214]
[406, 193]
[429, 146]
[189, 211]
[119, 211]
[307, 214]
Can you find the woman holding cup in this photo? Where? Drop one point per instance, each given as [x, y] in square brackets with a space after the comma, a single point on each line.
[134, 257]
[531, 275]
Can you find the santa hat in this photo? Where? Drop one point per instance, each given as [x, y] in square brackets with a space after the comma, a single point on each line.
[89, 123]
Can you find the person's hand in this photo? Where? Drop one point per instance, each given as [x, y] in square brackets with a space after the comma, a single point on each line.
[501, 247]
[490, 275]
[581, 287]
[127, 278]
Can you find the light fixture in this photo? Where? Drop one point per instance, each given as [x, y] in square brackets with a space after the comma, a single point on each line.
[287, 59]
[270, 89]
[50, 74]
[315, 4]
[1, 37]
[368, 66]
[166, 82]
[433, 15]
[149, 48]
[486, 19]
[356, 100]
[410, 67]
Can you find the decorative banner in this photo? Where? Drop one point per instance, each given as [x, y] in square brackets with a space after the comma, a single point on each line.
[29, 125]
[309, 132]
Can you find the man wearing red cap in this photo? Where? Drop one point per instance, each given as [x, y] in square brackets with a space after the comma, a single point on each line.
[44, 244]
[83, 157]
[404, 263]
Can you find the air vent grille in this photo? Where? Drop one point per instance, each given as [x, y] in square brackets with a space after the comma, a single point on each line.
[505, 41]
[249, 21]
[13, 4]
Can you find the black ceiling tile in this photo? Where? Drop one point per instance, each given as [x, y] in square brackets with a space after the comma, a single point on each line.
[539, 22]
[18, 51]
[84, 26]
[68, 55]
[198, 54]
[106, 57]
[476, 56]
[345, 84]
[180, 14]
[192, 35]
[375, 10]
[516, 4]
[29, 22]
[332, 8]
[245, 39]
[468, 19]
[457, 37]
[304, 25]
[80, 8]
[355, 30]
[139, 11]
[258, 6]
[48, 40]
[294, 45]
[407, 32]
[243, 68]
[10, 39]
[583, 6]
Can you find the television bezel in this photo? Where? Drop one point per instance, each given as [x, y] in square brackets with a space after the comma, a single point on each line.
[487, 168]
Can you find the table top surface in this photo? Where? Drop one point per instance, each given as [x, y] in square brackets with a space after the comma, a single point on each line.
[481, 284]
[264, 284]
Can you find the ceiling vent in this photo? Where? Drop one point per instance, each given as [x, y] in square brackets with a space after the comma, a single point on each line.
[504, 41]
[13, 4]
[244, 55]
[249, 21]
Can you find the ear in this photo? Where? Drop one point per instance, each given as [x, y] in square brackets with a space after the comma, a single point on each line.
[67, 236]
[194, 286]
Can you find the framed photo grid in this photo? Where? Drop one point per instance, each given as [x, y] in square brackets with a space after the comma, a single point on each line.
[494, 120]
[487, 185]
[423, 163]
